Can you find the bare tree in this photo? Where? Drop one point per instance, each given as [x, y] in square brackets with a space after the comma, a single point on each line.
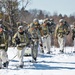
[24, 4]
[11, 8]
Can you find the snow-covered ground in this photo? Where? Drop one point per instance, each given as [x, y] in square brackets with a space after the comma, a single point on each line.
[53, 64]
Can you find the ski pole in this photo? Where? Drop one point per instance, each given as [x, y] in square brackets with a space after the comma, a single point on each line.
[54, 45]
[64, 45]
[12, 58]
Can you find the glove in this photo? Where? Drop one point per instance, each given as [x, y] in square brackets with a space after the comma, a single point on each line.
[17, 40]
[41, 45]
[73, 37]
[67, 32]
[29, 38]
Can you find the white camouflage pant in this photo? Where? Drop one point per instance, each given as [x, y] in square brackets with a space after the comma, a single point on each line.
[61, 42]
[20, 55]
[3, 57]
[47, 43]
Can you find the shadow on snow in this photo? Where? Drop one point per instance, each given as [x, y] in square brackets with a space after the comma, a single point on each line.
[47, 67]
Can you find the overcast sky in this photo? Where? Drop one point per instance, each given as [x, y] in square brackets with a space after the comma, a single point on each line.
[60, 6]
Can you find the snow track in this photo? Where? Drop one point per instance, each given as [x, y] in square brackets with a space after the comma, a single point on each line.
[53, 64]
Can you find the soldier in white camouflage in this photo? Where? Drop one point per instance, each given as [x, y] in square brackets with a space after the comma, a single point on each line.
[73, 35]
[21, 40]
[3, 47]
[60, 33]
[51, 28]
[46, 37]
[36, 37]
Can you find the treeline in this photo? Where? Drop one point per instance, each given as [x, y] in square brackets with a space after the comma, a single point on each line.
[15, 11]
[29, 15]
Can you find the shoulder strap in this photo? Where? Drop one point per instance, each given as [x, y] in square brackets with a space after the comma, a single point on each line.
[20, 37]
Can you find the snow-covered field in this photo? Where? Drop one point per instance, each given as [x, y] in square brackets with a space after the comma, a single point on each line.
[53, 64]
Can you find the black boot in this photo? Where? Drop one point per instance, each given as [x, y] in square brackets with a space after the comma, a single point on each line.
[62, 51]
[34, 60]
[6, 64]
[21, 66]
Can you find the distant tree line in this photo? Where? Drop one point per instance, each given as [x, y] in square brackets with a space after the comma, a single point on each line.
[15, 11]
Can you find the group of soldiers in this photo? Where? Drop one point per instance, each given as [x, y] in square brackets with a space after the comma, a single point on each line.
[36, 35]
